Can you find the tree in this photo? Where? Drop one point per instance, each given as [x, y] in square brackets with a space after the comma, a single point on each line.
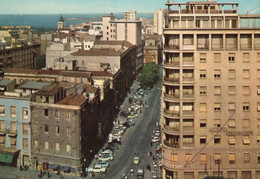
[149, 75]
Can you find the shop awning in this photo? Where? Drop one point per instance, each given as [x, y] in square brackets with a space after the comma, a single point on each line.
[65, 168]
[54, 166]
[7, 155]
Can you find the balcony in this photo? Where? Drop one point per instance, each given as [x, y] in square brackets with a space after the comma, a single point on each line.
[188, 96]
[172, 64]
[169, 128]
[171, 113]
[171, 96]
[188, 113]
[171, 47]
[172, 80]
[11, 132]
[188, 80]
[188, 47]
[171, 144]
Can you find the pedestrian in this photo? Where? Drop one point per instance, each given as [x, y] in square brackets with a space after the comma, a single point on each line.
[151, 144]
[153, 157]
[148, 152]
[41, 173]
[21, 168]
[48, 174]
[149, 167]
[151, 153]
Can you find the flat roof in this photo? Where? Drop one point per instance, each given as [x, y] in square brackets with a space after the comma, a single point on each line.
[34, 85]
[5, 82]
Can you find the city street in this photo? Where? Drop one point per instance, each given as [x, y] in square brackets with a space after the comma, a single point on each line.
[135, 142]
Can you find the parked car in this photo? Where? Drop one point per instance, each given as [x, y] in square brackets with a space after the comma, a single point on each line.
[132, 116]
[159, 150]
[97, 169]
[106, 157]
[155, 139]
[140, 173]
[112, 145]
[131, 123]
[136, 160]
[126, 124]
[103, 164]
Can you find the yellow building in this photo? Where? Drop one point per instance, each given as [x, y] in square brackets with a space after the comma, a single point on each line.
[211, 93]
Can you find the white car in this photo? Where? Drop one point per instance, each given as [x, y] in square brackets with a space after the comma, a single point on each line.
[155, 139]
[97, 169]
[105, 157]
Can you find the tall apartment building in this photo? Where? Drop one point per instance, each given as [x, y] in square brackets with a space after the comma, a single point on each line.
[130, 15]
[211, 93]
[159, 21]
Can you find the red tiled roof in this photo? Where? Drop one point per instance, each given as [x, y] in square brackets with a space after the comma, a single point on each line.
[90, 89]
[101, 73]
[27, 71]
[113, 42]
[97, 52]
[75, 100]
[50, 72]
[48, 90]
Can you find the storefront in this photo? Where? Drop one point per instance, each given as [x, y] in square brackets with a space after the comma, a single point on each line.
[8, 156]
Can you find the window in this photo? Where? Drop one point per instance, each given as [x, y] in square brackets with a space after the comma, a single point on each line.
[231, 107]
[46, 145]
[217, 107]
[36, 144]
[174, 158]
[232, 158]
[231, 90]
[231, 140]
[258, 73]
[246, 123]
[203, 73]
[188, 139]
[246, 90]
[36, 127]
[188, 158]
[2, 125]
[56, 113]
[258, 57]
[46, 112]
[68, 148]
[35, 111]
[203, 90]
[217, 74]
[217, 57]
[217, 122]
[25, 129]
[203, 159]
[231, 57]
[25, 144]
[231, 123]
[57, 130]
[217, 158]
[68, 131]
[57, 148]
[258, 158]
[217, 140]
[246, 74]
[246, 107]
[2, 110]
[203, 57]
[203, 107]
[189, 175]
[258, 90]
[258, 107]
[246, 158]
[68, 114]
[217, 90]
[246, 140]
[46, 128]
[25, 113]
[203, 123]
[13, 126]
[13, 142]
[2, 140]
[258, 123]
[203, 139]
[245, 57]
[231, 74]
[13, 111]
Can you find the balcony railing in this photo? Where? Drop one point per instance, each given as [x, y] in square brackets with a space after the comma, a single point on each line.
[170, 144]
[188, 79]
[172, 64]
[188, 95]
[176, 128]
[172, 80]
[203, 47]
[171, 112]
[188, 47]
[202, 11]
[188, 112]
[171, 95]
[171, 47]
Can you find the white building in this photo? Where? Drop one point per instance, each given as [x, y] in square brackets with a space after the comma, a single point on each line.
[130, 15]
[159, 21]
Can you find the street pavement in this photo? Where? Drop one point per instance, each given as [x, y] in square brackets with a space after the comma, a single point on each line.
[135, 142]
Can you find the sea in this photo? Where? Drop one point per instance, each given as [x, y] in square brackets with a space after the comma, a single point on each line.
[50, 20]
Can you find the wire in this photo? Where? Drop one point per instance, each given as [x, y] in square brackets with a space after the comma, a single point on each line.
[189, 162]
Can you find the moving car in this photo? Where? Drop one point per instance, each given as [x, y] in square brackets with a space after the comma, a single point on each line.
[97, 169]
[136, 160]
[102, 164]
[140, 173]
[155, 139]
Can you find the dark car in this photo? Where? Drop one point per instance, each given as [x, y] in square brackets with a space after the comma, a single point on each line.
[112, 146]
[126, 124]
[122, 113]
[130, 100]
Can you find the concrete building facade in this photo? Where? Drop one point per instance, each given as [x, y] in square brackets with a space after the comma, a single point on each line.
[159, 21]
[130, 15]
[211, 93]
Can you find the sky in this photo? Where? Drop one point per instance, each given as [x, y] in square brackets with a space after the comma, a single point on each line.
[101, 6]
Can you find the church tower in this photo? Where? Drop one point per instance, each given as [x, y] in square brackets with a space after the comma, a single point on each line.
[61, 23]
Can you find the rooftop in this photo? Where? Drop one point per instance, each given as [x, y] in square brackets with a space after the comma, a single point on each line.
[5, 82]
[75, 100]
[34, 85]
[97, 52]
[114, 42]
[101, 73]
[76, 74]
[48, 90]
